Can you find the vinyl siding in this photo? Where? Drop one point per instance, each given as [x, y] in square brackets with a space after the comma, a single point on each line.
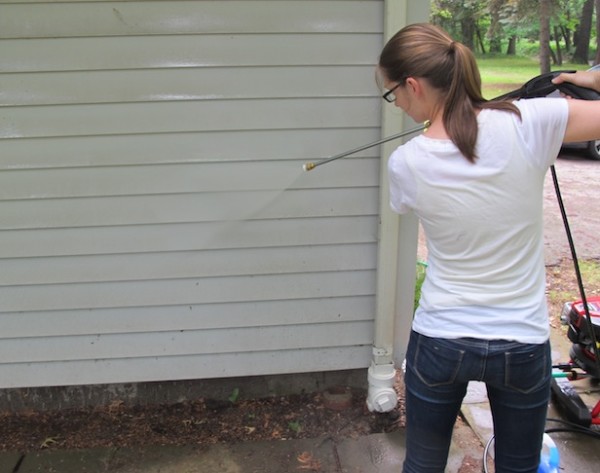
[155, 222]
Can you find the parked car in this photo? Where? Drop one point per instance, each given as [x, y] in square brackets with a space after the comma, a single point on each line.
[592, 148]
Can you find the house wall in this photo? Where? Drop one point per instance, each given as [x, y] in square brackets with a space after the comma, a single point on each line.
[155, 221]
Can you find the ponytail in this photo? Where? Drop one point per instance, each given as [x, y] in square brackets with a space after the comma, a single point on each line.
[424, 50]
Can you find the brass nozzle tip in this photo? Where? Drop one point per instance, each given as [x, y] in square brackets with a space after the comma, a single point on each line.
[308, 166]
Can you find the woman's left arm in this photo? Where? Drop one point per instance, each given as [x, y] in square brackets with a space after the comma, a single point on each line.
[584, 115]
[584, 120]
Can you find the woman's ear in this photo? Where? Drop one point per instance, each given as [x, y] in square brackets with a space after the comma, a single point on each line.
[414, 85]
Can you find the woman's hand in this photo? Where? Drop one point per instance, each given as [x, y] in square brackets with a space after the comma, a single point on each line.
[584, 115]
[588, 79]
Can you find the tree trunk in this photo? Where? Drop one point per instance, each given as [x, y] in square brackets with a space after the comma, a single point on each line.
[495, 30]
[597, 58]
[480, 40]
[467, 26]
[566, 34]
[558, 58]
[544, 36]
[511, 49]
[553, 57]
[582, 47]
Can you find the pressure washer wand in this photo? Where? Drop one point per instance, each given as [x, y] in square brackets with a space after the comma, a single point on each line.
[311, 165]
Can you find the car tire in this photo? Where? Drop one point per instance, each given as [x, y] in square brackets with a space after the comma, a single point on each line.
[593, 149]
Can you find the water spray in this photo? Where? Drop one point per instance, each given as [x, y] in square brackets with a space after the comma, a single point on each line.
[311, 165]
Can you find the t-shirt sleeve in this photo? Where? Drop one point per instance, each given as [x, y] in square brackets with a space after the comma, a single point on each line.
[543, 126]
[402, 186]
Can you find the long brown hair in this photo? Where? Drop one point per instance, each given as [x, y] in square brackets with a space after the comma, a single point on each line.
[424, 50]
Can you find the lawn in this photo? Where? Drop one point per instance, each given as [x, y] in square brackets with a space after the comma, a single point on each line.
[502, 74]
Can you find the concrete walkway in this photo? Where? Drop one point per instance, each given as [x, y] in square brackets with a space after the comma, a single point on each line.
[378, 453]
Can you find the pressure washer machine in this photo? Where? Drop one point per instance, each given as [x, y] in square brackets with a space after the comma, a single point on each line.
[583, 321]
[582, 351]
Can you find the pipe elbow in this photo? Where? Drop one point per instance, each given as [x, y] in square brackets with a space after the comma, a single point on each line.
[381, 396]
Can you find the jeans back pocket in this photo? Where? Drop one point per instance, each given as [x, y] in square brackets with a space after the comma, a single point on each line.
[436, 362]
[527, 369]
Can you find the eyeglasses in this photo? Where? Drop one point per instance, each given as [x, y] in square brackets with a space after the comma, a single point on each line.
[389, 96]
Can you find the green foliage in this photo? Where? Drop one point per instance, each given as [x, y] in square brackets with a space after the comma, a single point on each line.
[234, 396]
[421, 269]
[295, 426]
[489, 25]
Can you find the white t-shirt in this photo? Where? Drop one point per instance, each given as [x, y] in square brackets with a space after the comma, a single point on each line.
[483, 223]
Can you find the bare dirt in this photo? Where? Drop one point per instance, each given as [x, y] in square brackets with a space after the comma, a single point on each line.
[203, 421]
[206, 421]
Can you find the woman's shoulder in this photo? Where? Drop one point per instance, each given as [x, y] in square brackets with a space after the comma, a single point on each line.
[542, 106]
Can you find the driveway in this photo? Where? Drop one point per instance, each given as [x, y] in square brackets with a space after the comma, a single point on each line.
[578, 179]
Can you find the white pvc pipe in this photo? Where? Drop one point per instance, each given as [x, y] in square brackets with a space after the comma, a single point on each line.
[382, 396]
[396, 263]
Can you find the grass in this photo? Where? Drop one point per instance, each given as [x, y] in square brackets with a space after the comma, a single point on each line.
[590, 273]
[563, 285]
[501, 74]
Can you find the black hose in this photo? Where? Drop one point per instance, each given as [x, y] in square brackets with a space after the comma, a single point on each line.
[572, 427]
[588, 318]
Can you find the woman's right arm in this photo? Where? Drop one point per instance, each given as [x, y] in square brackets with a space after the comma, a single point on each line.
[584, 115]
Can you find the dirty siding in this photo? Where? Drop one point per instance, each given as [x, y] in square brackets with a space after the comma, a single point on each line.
[155, 221]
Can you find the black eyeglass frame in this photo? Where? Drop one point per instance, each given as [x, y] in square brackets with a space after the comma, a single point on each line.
[389, 96]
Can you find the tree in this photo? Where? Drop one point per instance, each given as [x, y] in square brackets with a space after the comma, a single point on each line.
[519, 20]
[495, 30]
[567, 23]
[582, 46]
[545, 8]
[597, 58]
[558, 57]
[460, 19]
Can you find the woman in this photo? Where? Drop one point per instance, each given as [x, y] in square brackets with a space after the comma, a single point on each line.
[475, 179]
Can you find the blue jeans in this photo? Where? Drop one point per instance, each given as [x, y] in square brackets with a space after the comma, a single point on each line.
[517, 377]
